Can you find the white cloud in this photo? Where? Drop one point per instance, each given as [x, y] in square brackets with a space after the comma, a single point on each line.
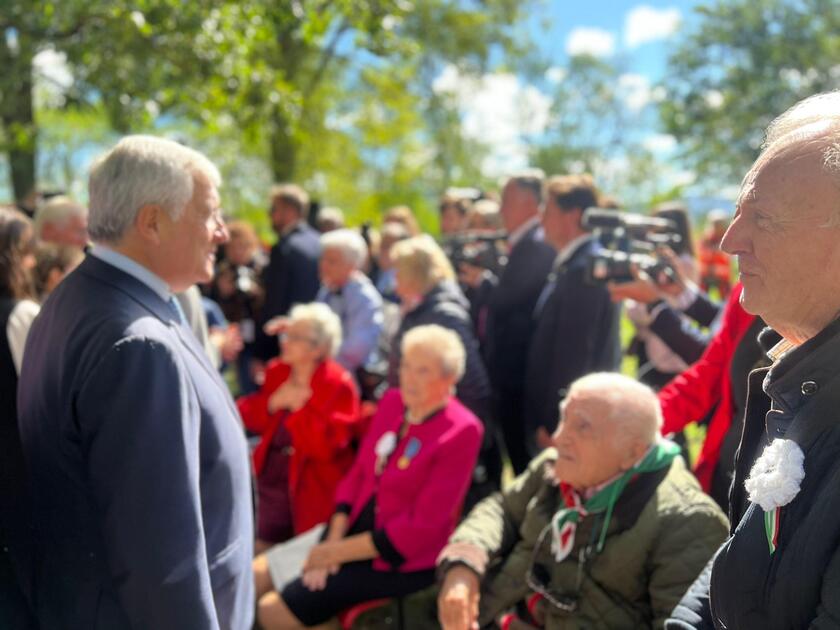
[660, 143]
[635, 90]
[646, 24]
[53, 77]
[555, 74]
[590, 41]
[500, 111]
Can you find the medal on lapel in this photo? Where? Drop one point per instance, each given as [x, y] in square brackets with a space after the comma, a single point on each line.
[411, 450]
[385, 445]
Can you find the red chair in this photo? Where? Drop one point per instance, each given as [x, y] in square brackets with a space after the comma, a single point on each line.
[349, 616]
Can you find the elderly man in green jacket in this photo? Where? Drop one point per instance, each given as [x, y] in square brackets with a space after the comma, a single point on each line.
[604, 530]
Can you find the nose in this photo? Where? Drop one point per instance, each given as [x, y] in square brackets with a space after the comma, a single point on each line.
[736, 238]
[221, 233]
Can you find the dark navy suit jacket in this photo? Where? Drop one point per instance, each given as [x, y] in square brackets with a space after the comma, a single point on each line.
[139, 467]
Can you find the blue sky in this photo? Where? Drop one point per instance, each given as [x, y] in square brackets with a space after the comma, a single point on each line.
[553, 26]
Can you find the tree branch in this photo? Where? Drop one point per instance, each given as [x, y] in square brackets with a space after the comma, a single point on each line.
[326, 57]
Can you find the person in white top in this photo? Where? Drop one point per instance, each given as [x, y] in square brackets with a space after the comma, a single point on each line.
[17, 310]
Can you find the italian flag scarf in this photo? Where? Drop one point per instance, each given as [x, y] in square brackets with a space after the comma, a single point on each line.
[565, 521]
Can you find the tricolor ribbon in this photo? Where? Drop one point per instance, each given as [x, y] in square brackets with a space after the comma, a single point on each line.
[771, 527]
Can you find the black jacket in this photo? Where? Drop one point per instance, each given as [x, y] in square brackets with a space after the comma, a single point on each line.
[511, 307]
[290, 278]
[446, 306]
[577, 332]
[798, 585]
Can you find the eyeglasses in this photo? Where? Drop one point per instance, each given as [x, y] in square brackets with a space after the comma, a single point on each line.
[297, 338]
[567, 602]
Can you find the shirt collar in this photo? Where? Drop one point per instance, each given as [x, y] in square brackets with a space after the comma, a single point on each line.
[132, 268]
[519, 233]
[780, 350]
[570, 248]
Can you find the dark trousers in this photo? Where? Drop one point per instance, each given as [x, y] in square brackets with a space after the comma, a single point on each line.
[508, 411]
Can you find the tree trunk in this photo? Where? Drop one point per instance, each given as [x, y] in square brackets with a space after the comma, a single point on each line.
[283, 147]
[17, 115]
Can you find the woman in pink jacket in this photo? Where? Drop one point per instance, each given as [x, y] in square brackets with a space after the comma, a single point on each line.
[400, 501]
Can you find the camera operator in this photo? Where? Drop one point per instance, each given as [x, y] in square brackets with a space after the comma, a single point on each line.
[662, 356]
[577, 324]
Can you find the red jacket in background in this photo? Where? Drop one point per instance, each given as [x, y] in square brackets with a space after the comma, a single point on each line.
[695, 392]
[321, 433]
[419, 502]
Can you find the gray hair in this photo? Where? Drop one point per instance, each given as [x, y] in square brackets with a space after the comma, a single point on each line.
[634, 407]
[445, 343]
[56, 210]
[325, 324]
[817, 113]
[349, 242]
[140, 171]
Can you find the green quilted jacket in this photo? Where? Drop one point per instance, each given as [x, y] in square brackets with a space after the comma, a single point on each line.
[663, 532]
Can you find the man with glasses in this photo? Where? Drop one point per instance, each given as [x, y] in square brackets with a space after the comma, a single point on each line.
[604, 530]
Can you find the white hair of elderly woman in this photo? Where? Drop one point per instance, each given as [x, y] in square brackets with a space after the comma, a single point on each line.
[349, 242]
[445, 343]
[634, 406]
[325, 324]
[139, 171]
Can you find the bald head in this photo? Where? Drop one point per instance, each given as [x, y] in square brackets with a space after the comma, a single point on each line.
[630, 407]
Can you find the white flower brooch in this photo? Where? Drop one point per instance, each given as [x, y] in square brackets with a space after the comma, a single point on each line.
[774, 481]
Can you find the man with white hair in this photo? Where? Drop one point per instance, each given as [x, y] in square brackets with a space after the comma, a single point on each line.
[604, 530]
[139, 466]
[351, 296]
[62, 221]
[781, 566]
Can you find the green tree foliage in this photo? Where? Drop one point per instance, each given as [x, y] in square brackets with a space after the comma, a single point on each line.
[333, 93]
[745, 62]
[593, 129]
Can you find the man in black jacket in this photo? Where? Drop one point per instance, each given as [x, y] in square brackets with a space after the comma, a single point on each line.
[781, 566]
[511, 304]
[291, 276]
[577, 324]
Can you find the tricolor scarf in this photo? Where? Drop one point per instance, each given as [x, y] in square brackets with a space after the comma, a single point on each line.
[565, 521]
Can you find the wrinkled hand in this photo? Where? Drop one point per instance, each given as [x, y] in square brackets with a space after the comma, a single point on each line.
[458, 600]
[232, 343]
[470, 275]
[316, 579]
[289, 396]
[641, 290]
[323, 556]
[276, 325]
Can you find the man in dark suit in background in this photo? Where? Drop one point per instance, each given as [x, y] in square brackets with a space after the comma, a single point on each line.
[577, 324]
[139, 466]
[511, 305]
[291, 276]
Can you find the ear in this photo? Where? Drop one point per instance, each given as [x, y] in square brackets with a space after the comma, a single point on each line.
[635, 451]
[151, 219]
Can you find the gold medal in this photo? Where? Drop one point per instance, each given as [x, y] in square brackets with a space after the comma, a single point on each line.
[403, 462]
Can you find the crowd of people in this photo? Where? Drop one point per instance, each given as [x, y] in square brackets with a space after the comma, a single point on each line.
[380, 382]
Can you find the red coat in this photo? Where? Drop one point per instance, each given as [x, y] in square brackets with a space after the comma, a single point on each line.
[695, 392]
[321, 433]
[418, 504]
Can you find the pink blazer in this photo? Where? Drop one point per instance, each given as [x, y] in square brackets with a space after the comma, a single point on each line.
[418, 504]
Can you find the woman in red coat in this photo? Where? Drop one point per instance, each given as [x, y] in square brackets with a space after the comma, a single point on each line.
[305, 412]
[716, 382]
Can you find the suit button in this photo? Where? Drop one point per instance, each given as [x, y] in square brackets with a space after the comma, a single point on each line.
[809, 388]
